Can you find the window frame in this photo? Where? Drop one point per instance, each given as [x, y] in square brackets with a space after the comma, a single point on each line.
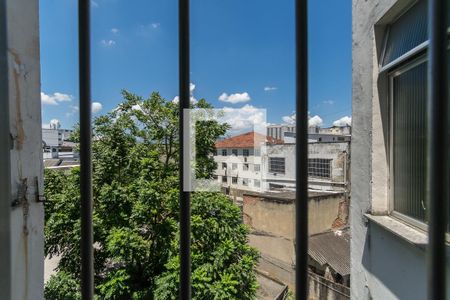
[270, 165]
[395, 71]
[330, 168]
[402, 64]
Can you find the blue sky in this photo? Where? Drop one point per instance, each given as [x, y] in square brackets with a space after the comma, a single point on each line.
[242, 54]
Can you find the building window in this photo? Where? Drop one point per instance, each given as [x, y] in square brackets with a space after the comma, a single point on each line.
[245, 152]
[215, 177]
[224, 152]
[224, 179]
[245, 181]
[257, 183]
[224, 166]
[245, 167]
[319, 167]
[407, 87]
[276, 165]
[234, 180]
[257, 167]
[274, 186]
[234, 152]
[257, 152]
[234, 166]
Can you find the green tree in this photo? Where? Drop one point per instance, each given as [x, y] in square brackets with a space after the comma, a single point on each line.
[135, 189]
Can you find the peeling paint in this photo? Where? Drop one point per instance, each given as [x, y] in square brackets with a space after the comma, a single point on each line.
[19, 68]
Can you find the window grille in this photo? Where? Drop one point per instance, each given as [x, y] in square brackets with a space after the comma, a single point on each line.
[245, 152]
[319, 167]
[245, 181]
[277, 165]
[234, 166]
[224, 152]
[257, 167]
[234, 180]
[234, 152]
[245, 167]
[257, 183]
[224, 179]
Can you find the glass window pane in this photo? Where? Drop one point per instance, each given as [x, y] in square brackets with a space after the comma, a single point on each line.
[409, 141]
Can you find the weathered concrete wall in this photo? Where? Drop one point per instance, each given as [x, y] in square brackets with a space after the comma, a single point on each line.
[383, 265]
[26, 219]
[339, 153]
[272, 223]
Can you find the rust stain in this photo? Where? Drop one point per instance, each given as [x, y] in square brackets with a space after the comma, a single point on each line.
[19, 121]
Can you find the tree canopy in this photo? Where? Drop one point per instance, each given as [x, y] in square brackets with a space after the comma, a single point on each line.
[136, 213]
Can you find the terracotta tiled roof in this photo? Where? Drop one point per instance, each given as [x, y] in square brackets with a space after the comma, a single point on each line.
[247, 140]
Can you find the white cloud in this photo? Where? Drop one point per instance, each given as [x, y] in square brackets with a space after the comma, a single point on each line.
[115, 30]
[246, 118]
[270, 88]
[315, 121]
[329, 102]
[176, 99]
[155, 25]
[289, 119]
[94, 3]
[235, 98]
[343, 121]
[55, 98]
[312, 121]
[96, 107]
[73, 109]
[108, 43]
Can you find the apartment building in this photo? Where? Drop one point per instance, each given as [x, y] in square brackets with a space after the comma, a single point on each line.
[388, 207]
[239, 161]
[328, 166]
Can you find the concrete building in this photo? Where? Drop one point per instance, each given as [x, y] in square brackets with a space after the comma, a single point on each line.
[328, 166]
[271, 218]
[239, 162]
[278, 131]
[389, 233]
[54, 140]
[286, 132]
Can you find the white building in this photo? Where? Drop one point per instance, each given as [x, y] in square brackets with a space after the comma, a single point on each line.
[328, 166]
[278, 131]
[53, 138]
[239, 162]
[253, 162]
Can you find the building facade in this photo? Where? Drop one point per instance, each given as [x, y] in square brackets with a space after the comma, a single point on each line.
[388, 209]
[328, 166]
[239, 162]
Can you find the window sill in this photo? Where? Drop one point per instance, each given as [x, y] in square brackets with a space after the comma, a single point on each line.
[412, 235]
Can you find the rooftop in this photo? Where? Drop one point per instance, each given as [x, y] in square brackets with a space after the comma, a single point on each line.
[246, 140]
[332, 249]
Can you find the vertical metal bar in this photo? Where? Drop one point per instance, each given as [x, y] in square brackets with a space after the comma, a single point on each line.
[437, 148]
[301, 207]
[87, 252]
[5, 161]
[185, 205]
